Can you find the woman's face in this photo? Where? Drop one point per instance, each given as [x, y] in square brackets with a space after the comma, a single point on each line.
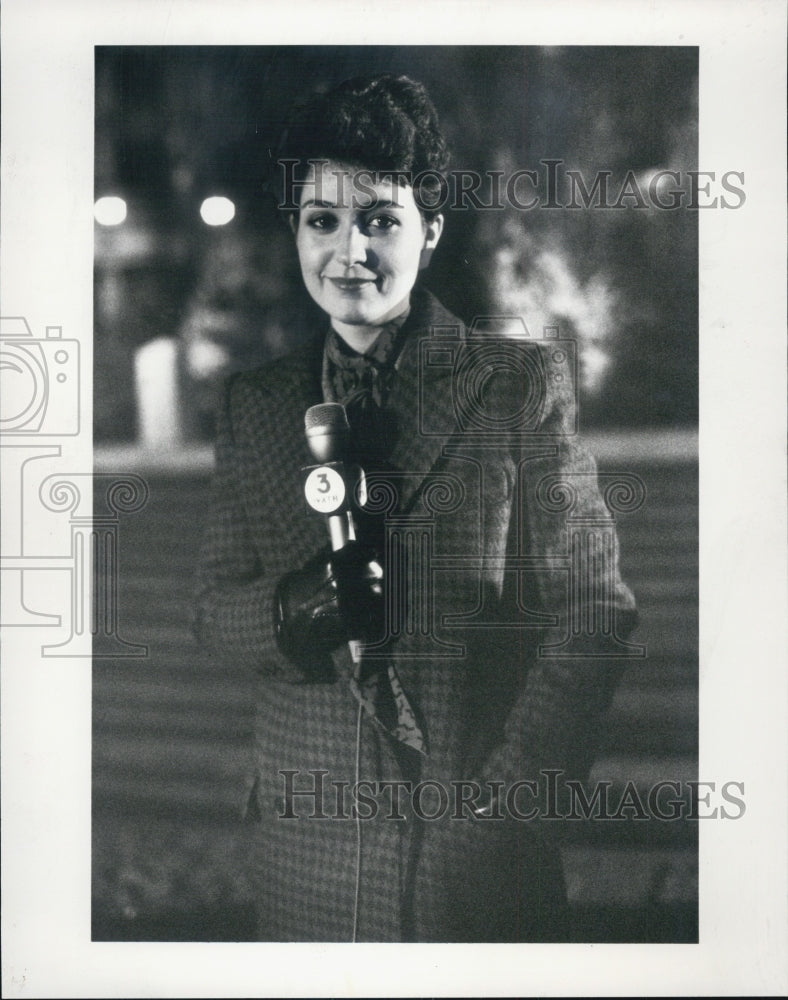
[360, 245]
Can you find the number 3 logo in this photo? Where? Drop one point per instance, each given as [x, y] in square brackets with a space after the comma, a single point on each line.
[324, 490]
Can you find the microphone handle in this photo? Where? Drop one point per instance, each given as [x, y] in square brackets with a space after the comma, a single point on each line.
[341, 530]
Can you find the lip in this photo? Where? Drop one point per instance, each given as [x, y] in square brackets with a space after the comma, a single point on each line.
[350, 284]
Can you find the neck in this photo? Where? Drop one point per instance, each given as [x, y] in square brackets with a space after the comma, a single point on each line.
[360, 338]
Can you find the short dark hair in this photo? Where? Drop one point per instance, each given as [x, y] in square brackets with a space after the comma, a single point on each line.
[382, 123]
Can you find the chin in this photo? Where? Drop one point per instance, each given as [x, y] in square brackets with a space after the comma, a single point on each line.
[358, 317]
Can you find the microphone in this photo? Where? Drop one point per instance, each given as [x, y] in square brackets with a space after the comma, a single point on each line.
[329, 487]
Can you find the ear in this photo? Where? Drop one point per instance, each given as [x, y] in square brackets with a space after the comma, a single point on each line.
[292, 221]
[432, 233]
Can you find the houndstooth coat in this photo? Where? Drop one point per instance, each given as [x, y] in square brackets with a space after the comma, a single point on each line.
[494, 503]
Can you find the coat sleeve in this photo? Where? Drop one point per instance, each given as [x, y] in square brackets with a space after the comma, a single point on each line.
[233, 608]
[564, 523]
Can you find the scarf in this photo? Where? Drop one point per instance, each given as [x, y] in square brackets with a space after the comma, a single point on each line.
[361, 383]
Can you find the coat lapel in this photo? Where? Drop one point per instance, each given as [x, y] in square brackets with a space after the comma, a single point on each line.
[422, 394]
[300, 389]
[278, 449]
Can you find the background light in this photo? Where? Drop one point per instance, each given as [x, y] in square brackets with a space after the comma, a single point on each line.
[217, 211]
[110, 211]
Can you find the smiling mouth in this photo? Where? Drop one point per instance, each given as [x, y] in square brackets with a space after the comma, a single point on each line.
[351, 284]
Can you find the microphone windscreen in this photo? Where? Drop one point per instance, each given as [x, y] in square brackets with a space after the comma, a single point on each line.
[329, 416]
[327, 431]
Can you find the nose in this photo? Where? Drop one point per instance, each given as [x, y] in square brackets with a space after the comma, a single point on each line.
[352, 245]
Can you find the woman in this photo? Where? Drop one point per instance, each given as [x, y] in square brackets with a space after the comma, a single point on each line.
[408, 724]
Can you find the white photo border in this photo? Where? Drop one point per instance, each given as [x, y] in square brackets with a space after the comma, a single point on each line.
[47, 276]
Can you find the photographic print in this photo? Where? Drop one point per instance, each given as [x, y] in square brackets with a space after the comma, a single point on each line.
[374, 522]
[567, 178]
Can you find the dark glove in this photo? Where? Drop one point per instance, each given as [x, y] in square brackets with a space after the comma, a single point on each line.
[335, 597]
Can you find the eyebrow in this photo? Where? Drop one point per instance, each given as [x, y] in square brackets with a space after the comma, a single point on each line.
[373, 206]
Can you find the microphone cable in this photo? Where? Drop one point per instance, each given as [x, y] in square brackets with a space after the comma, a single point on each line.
[358, 826]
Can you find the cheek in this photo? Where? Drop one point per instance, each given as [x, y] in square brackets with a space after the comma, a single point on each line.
[407, 263]
[308, 255]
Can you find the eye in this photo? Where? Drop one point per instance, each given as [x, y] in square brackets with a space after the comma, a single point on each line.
[382, 221]
[321, 220]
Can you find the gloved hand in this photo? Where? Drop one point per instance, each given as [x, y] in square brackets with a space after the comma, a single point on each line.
[335, 597]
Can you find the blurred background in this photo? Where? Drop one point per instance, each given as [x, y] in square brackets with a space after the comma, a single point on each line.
[196, 276]
[179, 128]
